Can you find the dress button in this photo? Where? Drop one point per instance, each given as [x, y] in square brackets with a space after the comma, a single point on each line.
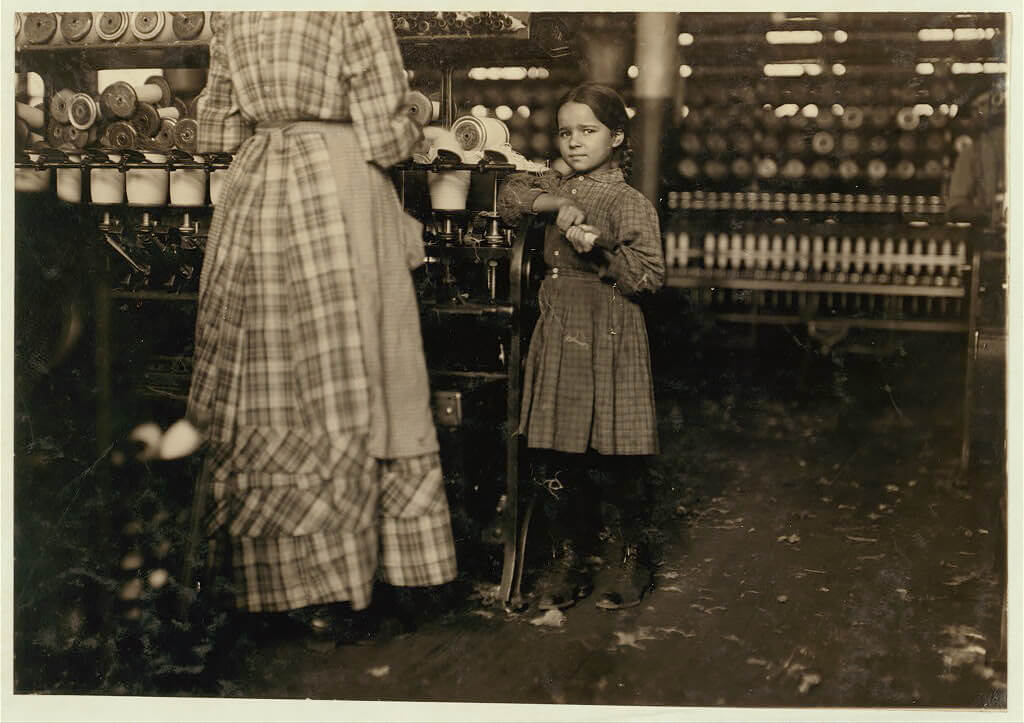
[556, 252]
[574, 191]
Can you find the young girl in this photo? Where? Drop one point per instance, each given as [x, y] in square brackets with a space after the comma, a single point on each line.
[587, 396]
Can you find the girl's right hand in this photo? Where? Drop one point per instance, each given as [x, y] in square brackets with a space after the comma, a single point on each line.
[569, 215]
[582, 238]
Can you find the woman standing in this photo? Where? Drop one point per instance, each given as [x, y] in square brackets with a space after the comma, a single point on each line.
[309, 379]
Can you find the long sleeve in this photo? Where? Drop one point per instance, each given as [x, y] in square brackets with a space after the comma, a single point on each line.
[377, 87]
[221, 124]
[520, 190]
[632, 247]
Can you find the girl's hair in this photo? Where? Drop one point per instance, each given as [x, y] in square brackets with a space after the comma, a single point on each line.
[610, 109]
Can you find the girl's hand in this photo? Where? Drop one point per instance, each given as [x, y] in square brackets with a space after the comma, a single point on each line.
[582, 237]
[569, 214]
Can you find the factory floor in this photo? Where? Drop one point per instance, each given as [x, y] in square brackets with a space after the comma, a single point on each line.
[821, 548]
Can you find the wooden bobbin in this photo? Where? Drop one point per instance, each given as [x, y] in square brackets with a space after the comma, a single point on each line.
[39, 28]
[83, 111]
[820, 170]
[853, 118]
[823, 143]
[878, 144]
[75, 26]
[186, 135]
[183, 110]
[907, 119]
[111, 26]
[60, 105]
[77, 137]
[55, 133]
[163, 140]
[187, 26]
[147, 25]
[419, 107]
[120, 98]
[145, 120]
[120, 136]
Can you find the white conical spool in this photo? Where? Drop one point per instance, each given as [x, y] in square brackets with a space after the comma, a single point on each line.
[448, 190]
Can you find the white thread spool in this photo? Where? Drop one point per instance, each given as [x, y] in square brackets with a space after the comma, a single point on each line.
[817, 253]
[69, 181]
[902, 248]
[763, 251]
[859, 254]
[30, 180]
[683, 252]
[888, 249]
[722, 257]
[790, 258]
[147, 186]
[106, 185]
[735, 251]
[448, 190]
[217, 185]
[918, 254]
[749, 250]
[931, 255]
[947, 259]
[709, 251]
[188, 185]
[775, 260]
[480, 134]
[832, 254]
[845, 253]
[873, 248]
[804, 260]
[670, 249]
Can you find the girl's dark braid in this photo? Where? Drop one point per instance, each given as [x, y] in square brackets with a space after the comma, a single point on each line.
[626, 159]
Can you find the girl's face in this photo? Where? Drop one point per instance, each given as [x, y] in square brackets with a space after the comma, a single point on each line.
[585, 143]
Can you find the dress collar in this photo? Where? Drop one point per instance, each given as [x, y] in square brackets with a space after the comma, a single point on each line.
[605, 175]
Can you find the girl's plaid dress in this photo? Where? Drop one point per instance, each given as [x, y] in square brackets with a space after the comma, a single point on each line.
[309, 374]
[588, 370]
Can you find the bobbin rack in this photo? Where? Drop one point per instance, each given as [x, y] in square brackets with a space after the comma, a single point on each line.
[805, 186]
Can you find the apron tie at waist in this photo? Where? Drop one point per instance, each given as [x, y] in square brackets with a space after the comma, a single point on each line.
[278, 129]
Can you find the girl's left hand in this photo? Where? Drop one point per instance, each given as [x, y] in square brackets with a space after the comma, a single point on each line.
[582, 237]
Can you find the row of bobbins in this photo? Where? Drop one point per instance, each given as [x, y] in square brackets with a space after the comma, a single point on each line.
[850, 117]
[891, 203]
[874, 170]
[81, 28]
[933, 260]
[110, 182]
[147, 116]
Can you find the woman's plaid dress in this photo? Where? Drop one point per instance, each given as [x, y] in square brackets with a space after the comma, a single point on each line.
[588, 371]
[309, 375]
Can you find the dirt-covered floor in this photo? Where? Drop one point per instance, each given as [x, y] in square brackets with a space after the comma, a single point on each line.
[822, 548]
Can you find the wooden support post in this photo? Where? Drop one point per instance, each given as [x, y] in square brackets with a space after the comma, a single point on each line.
[657, 61]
